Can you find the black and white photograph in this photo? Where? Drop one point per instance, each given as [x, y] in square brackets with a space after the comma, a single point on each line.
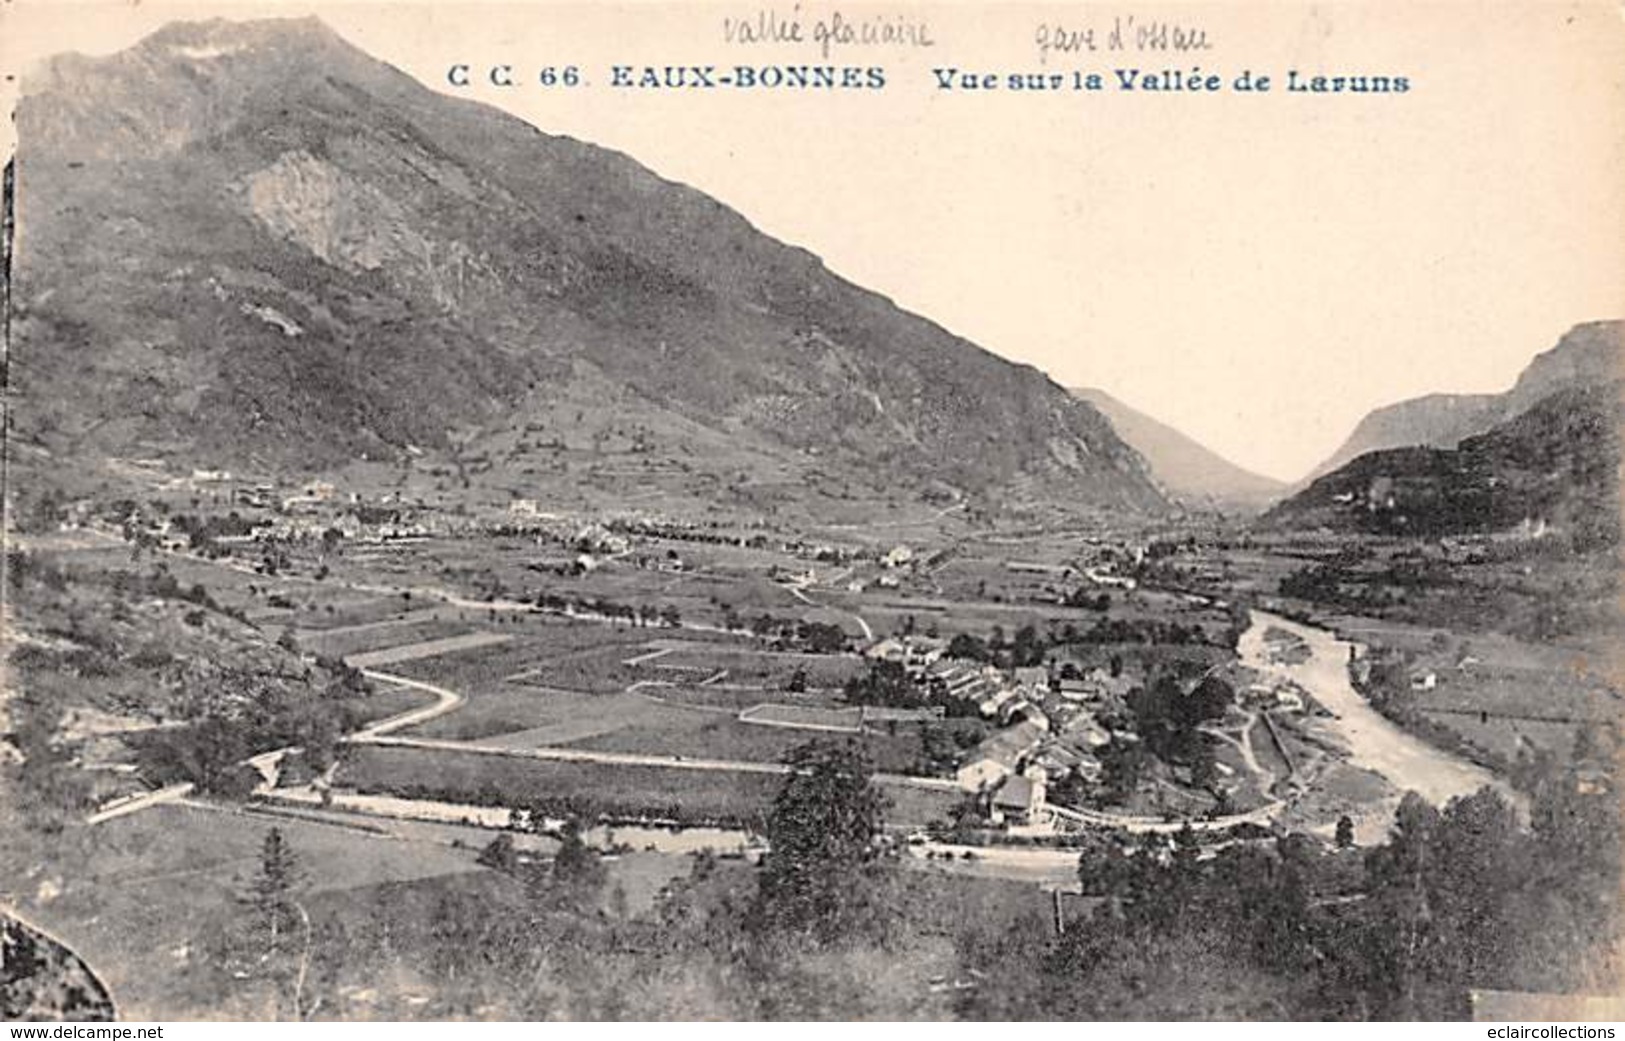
[812, 511]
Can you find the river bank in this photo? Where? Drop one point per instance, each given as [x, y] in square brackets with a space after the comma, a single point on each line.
[1369, 739]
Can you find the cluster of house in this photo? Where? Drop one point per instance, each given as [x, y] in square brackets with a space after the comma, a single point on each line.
[996, 694]
[1006, 771]
[276, 513]
[1049, 724]
[1014, 766]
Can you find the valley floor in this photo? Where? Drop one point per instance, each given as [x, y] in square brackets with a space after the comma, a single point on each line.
[493, 715]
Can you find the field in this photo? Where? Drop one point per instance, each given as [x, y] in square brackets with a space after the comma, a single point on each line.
[696, 734]
[804, 716]
[138, 900]
[547, 653]
[385, 701]
[339, 641]
[427, 649]
[519, 569]
[747, 666]
[1496, 691]
[621, 790]
[583, 700]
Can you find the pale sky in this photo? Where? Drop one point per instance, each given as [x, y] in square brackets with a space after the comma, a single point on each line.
[1259, 271]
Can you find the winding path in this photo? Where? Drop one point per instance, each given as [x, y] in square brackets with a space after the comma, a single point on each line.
[446, 700]
[800, 594]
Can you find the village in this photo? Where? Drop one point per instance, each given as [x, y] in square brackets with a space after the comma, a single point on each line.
[1007, 677]
[454, 687]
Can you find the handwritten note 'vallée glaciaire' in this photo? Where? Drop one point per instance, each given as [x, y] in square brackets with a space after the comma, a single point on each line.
[831, 31]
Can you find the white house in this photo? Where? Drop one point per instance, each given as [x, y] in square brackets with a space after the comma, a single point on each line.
[898, 556]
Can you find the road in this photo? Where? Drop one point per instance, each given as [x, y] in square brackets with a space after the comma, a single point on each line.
[1242, 742]
[135, 803]
[800, 594]
[1016, 863]
[446, 700]
[1139, 825]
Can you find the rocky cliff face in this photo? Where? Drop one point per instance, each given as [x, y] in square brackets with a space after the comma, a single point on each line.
[252, 241]
[1587, 354]
[1439, 420]
[1550, 467]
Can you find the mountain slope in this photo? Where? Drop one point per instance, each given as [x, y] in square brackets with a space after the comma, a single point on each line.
[1438, 420]
[1190, 472]
[252, 242]
[1554, 468]
[1586, 355]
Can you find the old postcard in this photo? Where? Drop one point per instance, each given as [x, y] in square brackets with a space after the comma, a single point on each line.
[811, 511]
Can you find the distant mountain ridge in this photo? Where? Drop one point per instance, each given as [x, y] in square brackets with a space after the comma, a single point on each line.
[1552, 465]
[252, 242]
[1438, 420]
[1192, 473]
[1587, 353]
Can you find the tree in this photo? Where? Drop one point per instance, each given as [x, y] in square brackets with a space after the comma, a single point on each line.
[209, 753]
[1122, 763]
[1479, 865]
[56, 789]
[964, 645]
[1345, 832]
[887, 683]
[270, 896]
[1397, 874]
[499, 855]
[574, 865]
[821, 833]
[1209, 701]
[1028, 648]
[822, 637]
[1104, 868]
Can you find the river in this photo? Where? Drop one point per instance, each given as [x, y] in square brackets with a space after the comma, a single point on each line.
[1406, 761]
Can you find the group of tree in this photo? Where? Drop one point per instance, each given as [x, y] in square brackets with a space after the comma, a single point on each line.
[235, 713]
[1166, 719]
[40, 980]
[1033, 646]
[1027, 648]
[1082, 597]
[813, 637]
[888, 684]
[1183, 926]
[51, 790]
[1456, 899]
[665, 615]
[818, 877]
